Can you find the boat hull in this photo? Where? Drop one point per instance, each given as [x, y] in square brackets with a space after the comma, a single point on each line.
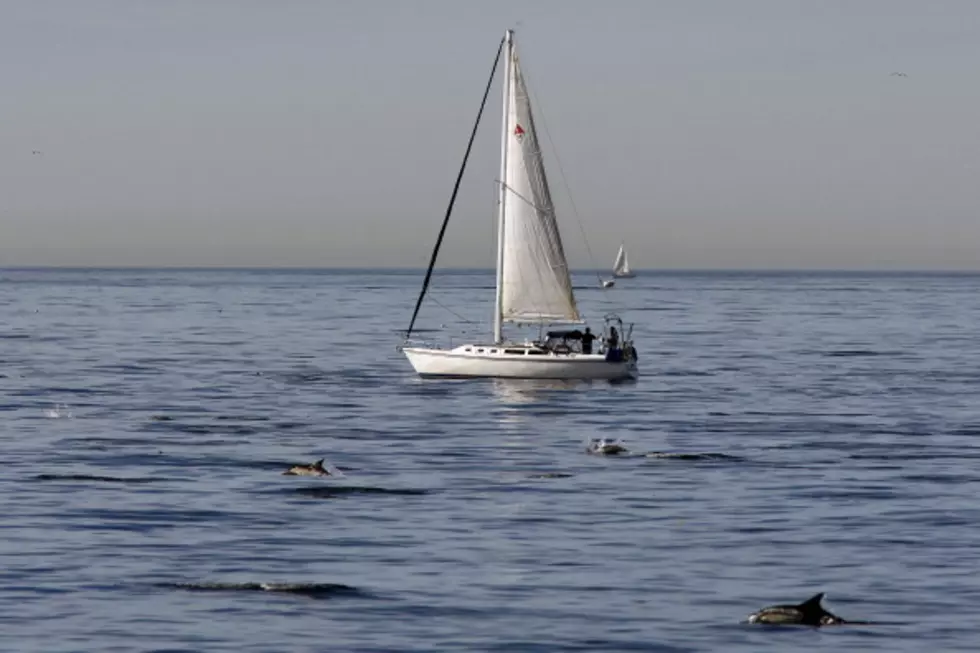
[459, 362]
[624, 275]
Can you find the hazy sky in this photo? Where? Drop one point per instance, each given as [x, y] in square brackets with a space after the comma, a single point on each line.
[704, 133]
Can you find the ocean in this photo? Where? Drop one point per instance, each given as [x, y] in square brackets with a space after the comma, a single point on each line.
[815, 432]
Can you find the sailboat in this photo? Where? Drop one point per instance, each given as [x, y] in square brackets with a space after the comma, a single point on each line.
[621, 268]
[533, 286]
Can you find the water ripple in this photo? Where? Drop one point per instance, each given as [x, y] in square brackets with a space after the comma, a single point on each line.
[790, 434]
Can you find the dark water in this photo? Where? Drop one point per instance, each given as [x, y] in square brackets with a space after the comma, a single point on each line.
[147, 417]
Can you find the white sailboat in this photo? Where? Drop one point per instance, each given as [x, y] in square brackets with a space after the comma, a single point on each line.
[533, 283]
[621, 268]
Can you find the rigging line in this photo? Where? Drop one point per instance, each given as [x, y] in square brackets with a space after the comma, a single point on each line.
[509, 188]
[452, 199]
[561, 173]
[524, 199]
[464, 319]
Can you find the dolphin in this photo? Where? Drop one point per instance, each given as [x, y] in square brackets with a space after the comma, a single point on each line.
[314, 469]
[808, 613]
[604, 447]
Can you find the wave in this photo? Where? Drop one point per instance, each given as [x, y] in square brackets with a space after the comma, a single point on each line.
[691, 456]
[852, 353]
[330, 491]
[92, 477]
[312, 590]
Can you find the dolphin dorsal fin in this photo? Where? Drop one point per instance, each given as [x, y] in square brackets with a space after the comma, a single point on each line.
[319, 465]
[813, 601]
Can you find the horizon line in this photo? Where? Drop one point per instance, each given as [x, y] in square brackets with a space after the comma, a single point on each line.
[460, 269]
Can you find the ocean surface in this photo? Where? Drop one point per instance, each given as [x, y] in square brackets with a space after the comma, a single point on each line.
[819, 432]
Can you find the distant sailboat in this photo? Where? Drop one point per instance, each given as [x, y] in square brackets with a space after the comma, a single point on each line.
[621, 268]
[533, 282]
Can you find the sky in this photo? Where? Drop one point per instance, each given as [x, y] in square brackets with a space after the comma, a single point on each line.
[708, 134]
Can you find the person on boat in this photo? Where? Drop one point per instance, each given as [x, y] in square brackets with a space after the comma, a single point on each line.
[587, 339]
[612, 342]
[613, 353]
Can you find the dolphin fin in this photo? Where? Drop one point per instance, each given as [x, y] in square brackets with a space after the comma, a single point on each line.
[813, 601]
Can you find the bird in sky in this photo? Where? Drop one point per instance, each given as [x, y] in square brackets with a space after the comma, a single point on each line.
[898, 75]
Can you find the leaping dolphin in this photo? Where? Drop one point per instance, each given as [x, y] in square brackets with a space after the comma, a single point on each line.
[808, 613]
[314, 469]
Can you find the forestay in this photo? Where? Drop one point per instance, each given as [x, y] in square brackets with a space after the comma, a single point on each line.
[536, 286]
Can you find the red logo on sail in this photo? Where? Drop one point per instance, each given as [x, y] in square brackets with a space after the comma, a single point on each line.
[518, 132]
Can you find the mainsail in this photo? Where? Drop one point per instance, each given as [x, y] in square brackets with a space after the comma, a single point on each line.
[621, 266]
[536, 286]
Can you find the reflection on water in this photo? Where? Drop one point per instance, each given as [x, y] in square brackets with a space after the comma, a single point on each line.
[529, 391]
[514, 396]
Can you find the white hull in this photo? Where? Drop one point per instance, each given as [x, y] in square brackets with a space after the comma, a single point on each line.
[466, 361]
[624, 275]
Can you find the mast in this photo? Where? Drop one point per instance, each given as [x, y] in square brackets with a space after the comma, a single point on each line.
[452, 199]
[498, 315]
